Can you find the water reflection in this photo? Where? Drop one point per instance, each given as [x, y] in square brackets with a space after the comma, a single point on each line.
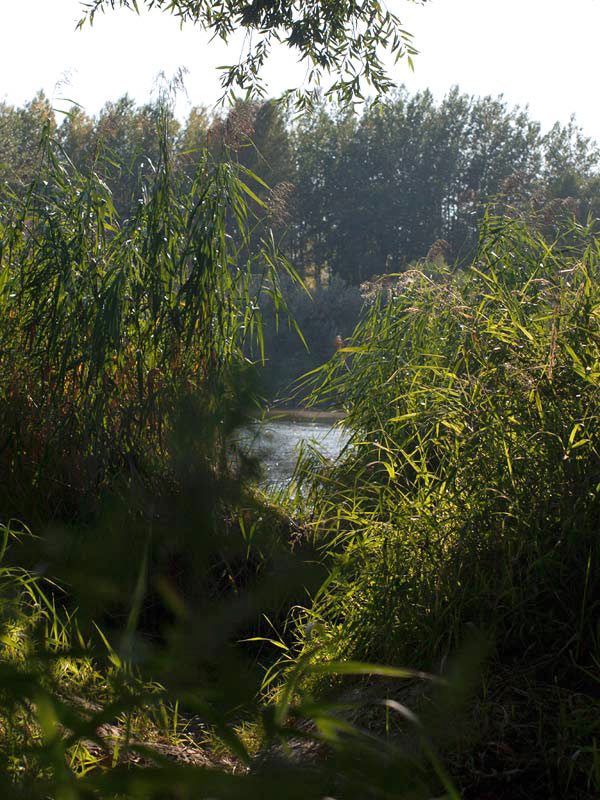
[277, 442]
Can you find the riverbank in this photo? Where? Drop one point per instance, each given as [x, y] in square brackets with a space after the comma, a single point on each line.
[305, 415]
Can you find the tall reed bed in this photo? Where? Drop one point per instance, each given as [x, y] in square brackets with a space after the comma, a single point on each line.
[468, 507]
[122, 372]
[105, 323]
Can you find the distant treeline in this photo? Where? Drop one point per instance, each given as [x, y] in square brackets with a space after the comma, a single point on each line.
[347, 195]
[350, 194]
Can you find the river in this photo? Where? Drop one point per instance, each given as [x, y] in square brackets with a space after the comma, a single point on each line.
[277, 441]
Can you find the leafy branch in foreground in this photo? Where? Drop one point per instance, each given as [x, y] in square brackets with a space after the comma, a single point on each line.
[334, 37]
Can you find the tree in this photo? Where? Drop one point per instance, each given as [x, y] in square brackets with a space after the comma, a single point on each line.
[77, 137]
[20, 130]
[193, 140]
[122, 144]
[129, 136]
[343, 38]
[321, 142]
[374, 191]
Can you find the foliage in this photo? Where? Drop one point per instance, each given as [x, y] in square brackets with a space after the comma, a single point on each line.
[340, 39]
[20, 130]
[345, 194]
[461, 523]
[373, 192]
[467, 506]
[322, 314]
[108, 322]
[123, 380]
[84, 714]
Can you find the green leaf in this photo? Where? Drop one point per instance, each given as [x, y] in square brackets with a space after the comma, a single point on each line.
[364, 668]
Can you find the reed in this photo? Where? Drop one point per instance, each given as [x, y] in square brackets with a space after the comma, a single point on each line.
[123, 371]
[465, 507]
[107, 323]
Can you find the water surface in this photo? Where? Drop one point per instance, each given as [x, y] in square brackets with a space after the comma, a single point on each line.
[277, 442]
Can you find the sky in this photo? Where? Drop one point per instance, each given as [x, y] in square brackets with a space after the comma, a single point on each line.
[540, 53]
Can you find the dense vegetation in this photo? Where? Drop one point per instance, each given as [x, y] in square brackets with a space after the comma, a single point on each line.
[417, 174]
[456, 536]
[417, 619]
[465, 517]
[123, 378]
[413, 171]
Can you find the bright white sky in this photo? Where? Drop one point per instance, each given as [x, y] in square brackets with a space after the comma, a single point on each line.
[543, 53]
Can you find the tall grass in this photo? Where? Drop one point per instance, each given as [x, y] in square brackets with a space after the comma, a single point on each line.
[122, 374]
[106, 323]
[468, 507]
[82, 719]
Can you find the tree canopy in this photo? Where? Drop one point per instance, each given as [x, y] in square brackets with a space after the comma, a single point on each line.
[346, 194]
[342, 39]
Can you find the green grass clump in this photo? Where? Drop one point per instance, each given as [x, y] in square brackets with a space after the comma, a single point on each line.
[467, 508]
[80, 719]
